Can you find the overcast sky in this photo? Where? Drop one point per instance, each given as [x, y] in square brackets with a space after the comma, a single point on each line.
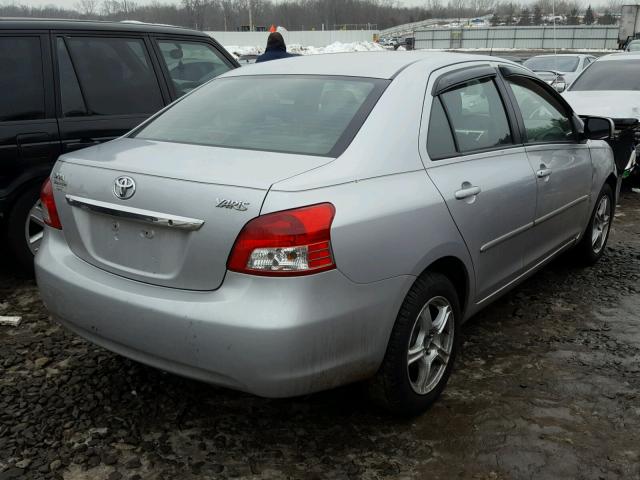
[71, 3]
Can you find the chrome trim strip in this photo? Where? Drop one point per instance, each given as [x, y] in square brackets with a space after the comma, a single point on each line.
[138, 214]
[560, 210]
[524, 274]
[505, 237]
[526, 227]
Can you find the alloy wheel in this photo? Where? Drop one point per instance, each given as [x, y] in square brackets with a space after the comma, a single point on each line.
[601, 221]
[430, 345]
[34, 227]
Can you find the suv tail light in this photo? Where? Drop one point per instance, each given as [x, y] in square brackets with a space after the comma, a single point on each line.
[286, 243]
[49, 210]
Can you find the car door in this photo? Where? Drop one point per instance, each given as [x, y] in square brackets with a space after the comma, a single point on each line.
[481, 169]
[561, 162]
[107, 85]
[29, 140]
[188, 62]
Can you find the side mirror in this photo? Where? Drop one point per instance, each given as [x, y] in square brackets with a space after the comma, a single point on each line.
[559, 85]
[598, 128]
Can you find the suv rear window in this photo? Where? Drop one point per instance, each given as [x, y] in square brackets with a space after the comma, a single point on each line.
[115, 75]
[314, 115]
[21, 79]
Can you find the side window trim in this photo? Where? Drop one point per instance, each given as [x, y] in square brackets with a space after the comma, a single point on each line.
[75, 73]
[158, 70]
[458, 78]
[518, 113]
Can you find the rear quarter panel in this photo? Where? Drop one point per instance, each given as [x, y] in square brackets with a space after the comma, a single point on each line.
[390, 219]
[384, 227]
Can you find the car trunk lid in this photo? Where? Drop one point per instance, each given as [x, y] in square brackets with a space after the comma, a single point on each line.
[177, 226]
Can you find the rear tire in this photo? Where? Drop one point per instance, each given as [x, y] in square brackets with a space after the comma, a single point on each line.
[594, 241]
[422, 348]
[17, 233]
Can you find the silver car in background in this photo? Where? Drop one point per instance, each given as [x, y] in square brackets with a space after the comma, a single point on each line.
[559, 70]
[279, 230]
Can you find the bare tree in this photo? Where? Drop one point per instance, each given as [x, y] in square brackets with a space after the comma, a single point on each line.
[87, 8]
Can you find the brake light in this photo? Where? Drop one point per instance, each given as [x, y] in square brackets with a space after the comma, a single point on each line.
[49, 210]
[286, 243]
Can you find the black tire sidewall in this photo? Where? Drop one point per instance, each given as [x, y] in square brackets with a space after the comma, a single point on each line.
[16, 228]
[400, 396]
[588, 255]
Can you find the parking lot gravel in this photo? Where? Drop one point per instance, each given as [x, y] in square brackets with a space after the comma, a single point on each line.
[548, 386]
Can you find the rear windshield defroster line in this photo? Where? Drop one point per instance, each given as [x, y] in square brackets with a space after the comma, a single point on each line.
[299, 114]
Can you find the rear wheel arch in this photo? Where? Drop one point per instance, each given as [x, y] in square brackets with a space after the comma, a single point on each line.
[456, 271]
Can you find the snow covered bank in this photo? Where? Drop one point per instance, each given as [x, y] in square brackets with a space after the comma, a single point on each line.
[336, 47]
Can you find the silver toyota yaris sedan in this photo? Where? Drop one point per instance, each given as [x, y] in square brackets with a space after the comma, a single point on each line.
[301, 224]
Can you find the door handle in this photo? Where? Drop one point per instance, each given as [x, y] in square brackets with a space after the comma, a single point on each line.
[543, 172]
[467, 191]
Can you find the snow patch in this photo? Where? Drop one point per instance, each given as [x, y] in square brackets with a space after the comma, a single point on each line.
[336, 47]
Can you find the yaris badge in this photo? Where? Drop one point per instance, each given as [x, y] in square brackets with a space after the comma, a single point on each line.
[124, 188]
[232, 204]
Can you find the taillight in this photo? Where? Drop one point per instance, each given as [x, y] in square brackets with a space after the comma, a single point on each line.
[49, 210]
[286, 243]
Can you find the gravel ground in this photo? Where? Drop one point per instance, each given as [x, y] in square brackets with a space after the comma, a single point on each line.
[548, 386]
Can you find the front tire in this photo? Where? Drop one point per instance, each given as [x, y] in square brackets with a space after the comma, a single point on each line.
[594, 240]
[422, 349]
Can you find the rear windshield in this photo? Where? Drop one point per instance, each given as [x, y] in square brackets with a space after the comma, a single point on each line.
[609, 75]
[556, 64]
[312, 115]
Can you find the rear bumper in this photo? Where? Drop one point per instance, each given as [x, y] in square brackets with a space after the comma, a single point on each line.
[274, 337]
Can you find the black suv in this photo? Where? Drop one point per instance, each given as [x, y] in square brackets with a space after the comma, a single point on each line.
[66, 85]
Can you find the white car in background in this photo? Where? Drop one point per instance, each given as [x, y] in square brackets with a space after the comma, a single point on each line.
[561, 70]
[633, 46]
[610, 87]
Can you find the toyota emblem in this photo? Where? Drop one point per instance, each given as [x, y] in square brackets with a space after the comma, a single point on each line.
[124, 187]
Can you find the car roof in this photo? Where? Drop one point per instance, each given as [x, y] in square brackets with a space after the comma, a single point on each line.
[384, 64]
[125, 26]
[620, 56]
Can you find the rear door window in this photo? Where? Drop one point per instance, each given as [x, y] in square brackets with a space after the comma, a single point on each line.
[115, 74]
[190, 64]
[21, 79]
[477, 116]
